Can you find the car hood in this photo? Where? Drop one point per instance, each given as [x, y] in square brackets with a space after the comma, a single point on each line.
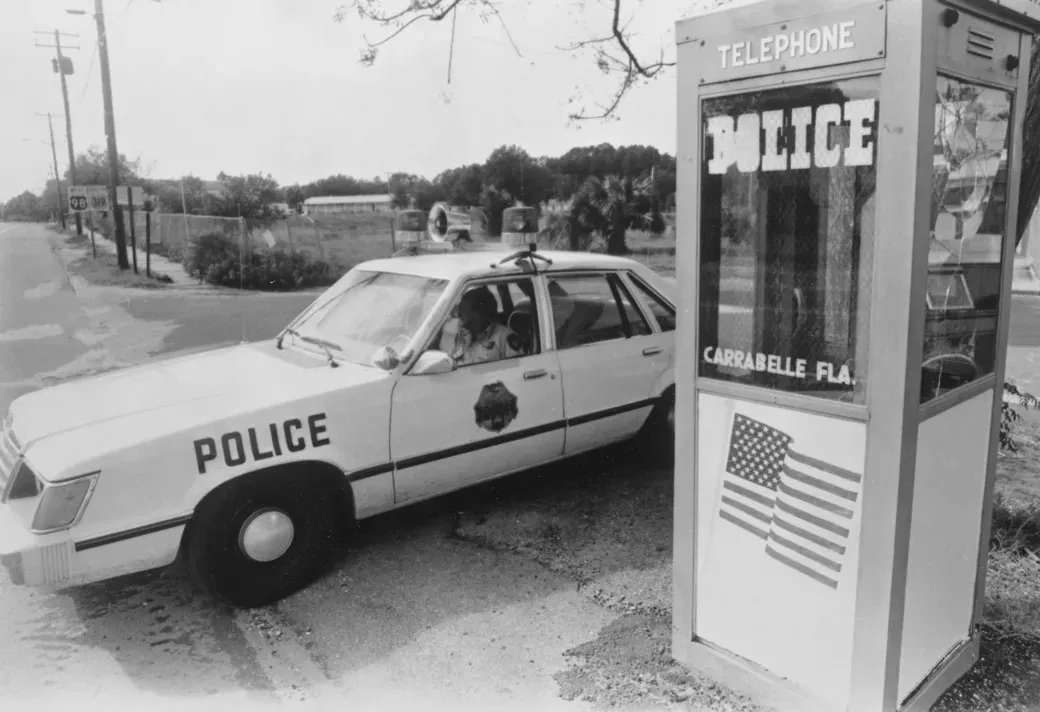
[235, 378]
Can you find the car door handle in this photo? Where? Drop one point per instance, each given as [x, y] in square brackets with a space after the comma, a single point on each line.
[539, 373]
[651, 350]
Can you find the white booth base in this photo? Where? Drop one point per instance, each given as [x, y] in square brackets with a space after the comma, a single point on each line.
[768, 690]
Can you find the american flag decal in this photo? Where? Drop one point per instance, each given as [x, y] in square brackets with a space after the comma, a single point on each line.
[753, 469]
[800, 506]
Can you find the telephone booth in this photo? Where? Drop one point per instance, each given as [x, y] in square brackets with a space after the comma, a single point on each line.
[847, 194]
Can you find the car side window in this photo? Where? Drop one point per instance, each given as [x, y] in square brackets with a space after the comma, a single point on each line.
[510, 329]
[663, 313]
[590, 308]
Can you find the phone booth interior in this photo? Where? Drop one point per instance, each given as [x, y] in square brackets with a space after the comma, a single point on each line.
[847, 191]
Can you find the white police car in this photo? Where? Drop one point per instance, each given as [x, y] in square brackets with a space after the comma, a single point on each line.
[249, 460]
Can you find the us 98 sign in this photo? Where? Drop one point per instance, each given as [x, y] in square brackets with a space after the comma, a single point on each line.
[88, 197]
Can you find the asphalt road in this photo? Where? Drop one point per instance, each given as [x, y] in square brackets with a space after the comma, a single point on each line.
[411, 613]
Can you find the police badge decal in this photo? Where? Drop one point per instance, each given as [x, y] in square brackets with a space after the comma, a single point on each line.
[496, 407]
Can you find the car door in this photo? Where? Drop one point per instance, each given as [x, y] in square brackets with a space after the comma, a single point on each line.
[609, 357]
[661, 315]
[483, 420]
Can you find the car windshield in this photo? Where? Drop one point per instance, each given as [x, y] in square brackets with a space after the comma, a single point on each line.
[369, 311]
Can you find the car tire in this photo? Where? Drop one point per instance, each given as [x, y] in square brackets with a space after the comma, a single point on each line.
[291, 534]
[658, 434]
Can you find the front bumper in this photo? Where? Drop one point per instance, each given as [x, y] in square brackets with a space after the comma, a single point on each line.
[32, 560]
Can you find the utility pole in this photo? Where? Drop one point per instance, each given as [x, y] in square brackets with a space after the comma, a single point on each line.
[110, 133]
[57, 176]
[64, 66]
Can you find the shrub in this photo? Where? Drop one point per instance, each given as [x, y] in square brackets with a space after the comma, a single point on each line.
[214, 258]
[1009, 416]
[657, 224]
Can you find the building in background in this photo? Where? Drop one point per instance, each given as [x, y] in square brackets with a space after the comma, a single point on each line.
[348, 204]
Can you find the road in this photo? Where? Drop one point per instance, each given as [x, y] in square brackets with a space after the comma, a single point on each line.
[412, 613]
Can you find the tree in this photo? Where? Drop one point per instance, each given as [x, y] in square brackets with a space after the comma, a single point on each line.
[463, 184]
[294, 196]
[512, 169]
[92, 168]
[251, 197]
[601, 206]
[611, 49]
[26, 206]
[185, 194]
[494, 200]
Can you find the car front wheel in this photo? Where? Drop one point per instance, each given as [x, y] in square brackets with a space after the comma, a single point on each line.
[255, 543]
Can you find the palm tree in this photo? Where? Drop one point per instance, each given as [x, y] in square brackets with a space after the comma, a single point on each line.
[600, 206]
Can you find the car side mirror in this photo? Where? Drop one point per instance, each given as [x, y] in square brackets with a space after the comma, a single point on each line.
[433, 362]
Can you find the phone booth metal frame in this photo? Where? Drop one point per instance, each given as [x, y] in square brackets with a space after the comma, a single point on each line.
[882, 391]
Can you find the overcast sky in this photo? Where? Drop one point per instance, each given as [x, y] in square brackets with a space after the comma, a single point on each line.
[275, 86]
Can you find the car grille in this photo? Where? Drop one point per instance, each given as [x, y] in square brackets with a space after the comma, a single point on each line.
[8, 456]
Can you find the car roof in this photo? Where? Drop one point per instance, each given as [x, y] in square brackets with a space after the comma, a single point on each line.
[477, 263]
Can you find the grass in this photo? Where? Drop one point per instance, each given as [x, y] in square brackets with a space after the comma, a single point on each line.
[104, 269]
[1007, 676]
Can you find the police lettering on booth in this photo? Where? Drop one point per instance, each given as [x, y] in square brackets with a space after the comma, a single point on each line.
[794, 139]
[257, 445]
[823, 371]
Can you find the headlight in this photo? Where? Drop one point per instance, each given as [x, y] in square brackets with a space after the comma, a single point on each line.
[61, 505]
[24, 482]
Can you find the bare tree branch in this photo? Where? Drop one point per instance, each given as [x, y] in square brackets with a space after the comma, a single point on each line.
[629, 66]
[612, 53]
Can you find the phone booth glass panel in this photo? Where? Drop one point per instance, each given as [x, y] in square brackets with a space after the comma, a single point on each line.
[787, 195]
[969, 193]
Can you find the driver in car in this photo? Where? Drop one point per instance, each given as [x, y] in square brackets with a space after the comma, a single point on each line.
[481, 337]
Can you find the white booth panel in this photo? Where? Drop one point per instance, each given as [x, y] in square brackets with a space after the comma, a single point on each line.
[778, 522]
[944, 536]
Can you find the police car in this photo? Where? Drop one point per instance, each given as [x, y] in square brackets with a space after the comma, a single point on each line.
[249, 462]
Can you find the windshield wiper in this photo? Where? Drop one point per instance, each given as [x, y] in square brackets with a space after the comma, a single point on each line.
[281, 336]
[324, 346]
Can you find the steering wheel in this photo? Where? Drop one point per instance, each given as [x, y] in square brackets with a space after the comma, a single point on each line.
[966, 375]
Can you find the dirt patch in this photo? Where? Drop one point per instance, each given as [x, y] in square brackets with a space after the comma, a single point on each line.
[104, 270]
[606, 522]
[1005, 679]
[607, 525]
[629, 666]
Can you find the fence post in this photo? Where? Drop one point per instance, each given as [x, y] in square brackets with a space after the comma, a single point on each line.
[393, 237]
[288, 233]
[133, 233]
[241, 249]
[93, 246]
[321, 246]
[148, 243]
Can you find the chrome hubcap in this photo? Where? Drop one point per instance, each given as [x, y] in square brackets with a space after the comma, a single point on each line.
[266, 535]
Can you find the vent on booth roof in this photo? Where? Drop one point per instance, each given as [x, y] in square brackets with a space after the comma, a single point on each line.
[981, 44]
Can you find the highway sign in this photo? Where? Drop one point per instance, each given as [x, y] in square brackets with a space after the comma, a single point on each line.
[88, 197]
[137, 195]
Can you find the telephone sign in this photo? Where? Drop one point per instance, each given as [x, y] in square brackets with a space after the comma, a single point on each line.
[88, 197]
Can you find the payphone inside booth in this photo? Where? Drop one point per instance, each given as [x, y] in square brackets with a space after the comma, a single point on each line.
[780, 283]
[847, 194]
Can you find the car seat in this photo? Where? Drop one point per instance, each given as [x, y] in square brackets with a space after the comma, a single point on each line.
[521, 323]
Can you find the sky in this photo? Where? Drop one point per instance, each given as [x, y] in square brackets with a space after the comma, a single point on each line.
[276, 87]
